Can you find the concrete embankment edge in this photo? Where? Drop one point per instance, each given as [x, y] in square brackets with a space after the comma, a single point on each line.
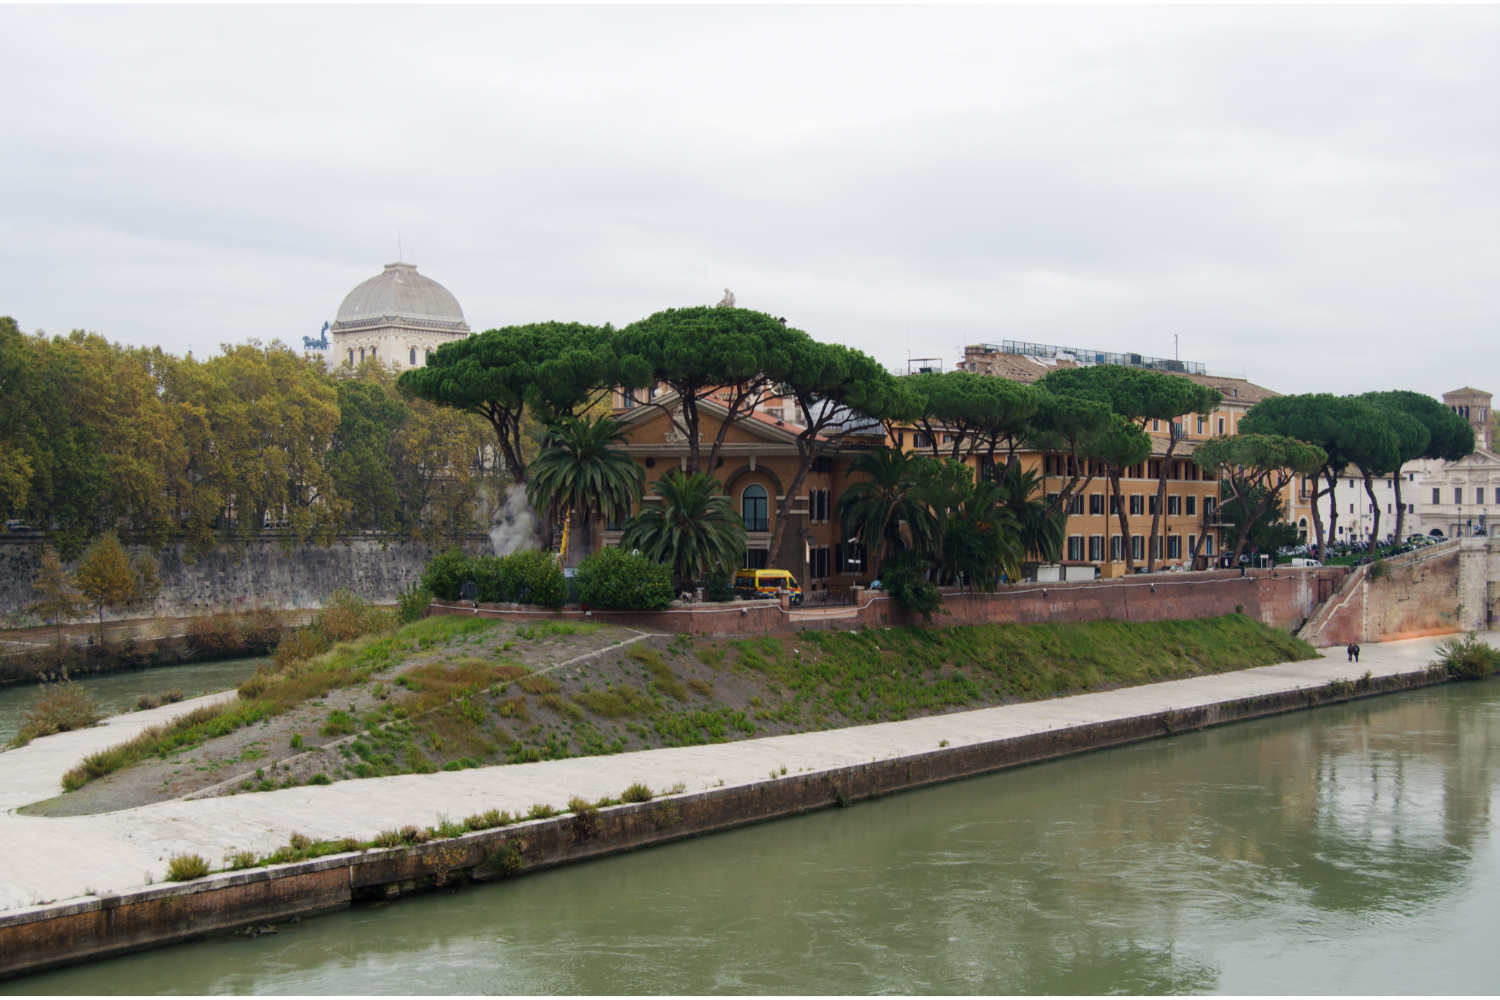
[48, 936]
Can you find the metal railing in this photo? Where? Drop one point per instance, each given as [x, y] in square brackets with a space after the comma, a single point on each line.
[1085, 356]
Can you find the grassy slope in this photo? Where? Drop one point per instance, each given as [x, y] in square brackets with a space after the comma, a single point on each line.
[448, 692]
[684, 691]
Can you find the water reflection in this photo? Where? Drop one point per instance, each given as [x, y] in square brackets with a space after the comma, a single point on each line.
[1343, 850]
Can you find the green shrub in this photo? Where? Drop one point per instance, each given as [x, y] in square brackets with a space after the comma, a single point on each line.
[541, 811]
[903, 576]
[1469, 657]
[445, 574]
[241, 860]
[186, 867]
[389, 838]
[719, 589]
[636, 793]
[538, 578]
[413, 601]
[530, 576]
[57, 708]
[320, 779]
[614, 578]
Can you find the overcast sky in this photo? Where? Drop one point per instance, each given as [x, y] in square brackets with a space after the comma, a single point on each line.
[1310, 197]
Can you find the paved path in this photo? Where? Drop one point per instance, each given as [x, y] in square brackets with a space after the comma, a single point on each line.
[47, 858]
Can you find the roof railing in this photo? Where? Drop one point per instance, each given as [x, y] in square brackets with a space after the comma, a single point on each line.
[1085, 356]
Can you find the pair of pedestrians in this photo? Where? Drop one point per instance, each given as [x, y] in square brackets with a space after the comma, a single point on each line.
[1353, 652]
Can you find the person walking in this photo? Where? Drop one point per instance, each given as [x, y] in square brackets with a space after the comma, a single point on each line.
[1356, 652]
[1350, 651]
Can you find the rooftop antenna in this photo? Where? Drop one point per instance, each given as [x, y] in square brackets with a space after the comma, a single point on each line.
[1176, 356]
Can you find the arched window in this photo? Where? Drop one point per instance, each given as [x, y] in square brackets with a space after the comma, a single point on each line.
[351, 357]
[413, 355]
[753, 506]
[427, 358]
[361, 355]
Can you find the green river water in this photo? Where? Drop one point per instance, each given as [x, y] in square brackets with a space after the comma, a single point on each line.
[117, 692]
[1346, 849]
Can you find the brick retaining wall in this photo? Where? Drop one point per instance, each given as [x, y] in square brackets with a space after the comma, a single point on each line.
[1282, 598]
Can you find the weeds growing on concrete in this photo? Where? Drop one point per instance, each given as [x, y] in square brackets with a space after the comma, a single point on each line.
[186, 867]
[637, 793]
[239, 860]
[541, 810]
[447, 829]
[488, 820]
[389, 838]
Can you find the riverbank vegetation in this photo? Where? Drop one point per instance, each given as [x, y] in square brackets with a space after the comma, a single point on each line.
[453, 692]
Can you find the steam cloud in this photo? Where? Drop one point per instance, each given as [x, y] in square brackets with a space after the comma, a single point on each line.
[515, 523]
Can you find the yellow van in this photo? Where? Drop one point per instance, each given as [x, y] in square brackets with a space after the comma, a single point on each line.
[765, 583]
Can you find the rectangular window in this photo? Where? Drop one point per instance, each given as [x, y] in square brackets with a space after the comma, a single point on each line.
[1154, 504]
[1192, 506]
[1210, 504]
[822, 558]
[1351, 508]
[1437, 495]
[1221, 425]
[1458, 494]
[627, 401]
[1096, 548]
[1136, 504]
[1192, 543]
[1156, 547]
[1174, 506]
[851, 559]
[1116, 548]
[1137, 547]
[1156, 425]
[920, 440]
[1479, 495]
[1174, 546]
[1075, 548]
[947, 439]
[757, 558]
[1096, 504]
[1208, 545]
[1075, 504]
[1154, 468]
[1202, 421]
[1114, 506]
[822, 464]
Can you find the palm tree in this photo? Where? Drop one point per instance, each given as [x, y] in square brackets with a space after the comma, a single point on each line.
[1039, 535]
[582, 470]
[694, 530]
[981, 540]
[873, 511]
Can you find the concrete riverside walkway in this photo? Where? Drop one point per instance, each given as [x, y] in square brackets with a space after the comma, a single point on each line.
[52, 859]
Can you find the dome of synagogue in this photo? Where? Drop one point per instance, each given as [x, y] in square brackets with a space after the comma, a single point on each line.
[399, 296]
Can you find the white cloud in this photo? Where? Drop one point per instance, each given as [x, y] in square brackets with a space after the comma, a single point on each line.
[1305, 195]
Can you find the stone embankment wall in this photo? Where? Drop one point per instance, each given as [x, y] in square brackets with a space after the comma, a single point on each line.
[264, 575]
[1444, 588]
[1282, 598]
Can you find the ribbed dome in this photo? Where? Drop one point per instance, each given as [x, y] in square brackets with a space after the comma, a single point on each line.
[400, 295]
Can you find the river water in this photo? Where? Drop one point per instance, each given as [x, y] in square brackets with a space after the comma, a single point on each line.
[1346, 849]
[117, 693]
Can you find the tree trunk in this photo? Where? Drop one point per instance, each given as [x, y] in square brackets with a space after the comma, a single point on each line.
[1375, 526]
[1333, 505]
[1400, 511]
[1161, 499]
[1119, 498]
[783, 513]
